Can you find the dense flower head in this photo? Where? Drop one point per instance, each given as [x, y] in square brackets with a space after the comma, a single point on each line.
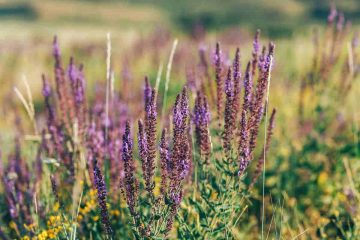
[72, 71]
[256, 43]
[201, 113]
[201, 119]
[147, 93]
[248, 87]
[164, 162]
[180, 155]
[229, 85]
[218, 79]
[237, 72]
[46, 91]
[56, 51]
[243, 151]
[130, 181]
[142, 147]
[177, 115]
[184, 106]
[229, 114]
[150, 131]
[252, 112]
[77, 82]
[102, 194]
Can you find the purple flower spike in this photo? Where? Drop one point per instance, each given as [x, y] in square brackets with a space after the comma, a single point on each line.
[46, 91]
[230, 115]
[201, 119]
[56, 51]
[102, 193]
[256, 43]
[130, 181]
[236, 72]
[147, 92]
[143, 149]
[150, 130]
[256, 52]
[218, 79]
[244, 143]
[250, 127]
[164, 162]
[248, 88]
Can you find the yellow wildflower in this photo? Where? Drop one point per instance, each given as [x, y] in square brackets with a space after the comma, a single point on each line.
[29, 227]
[93, 192]
[79, 218]
[56, 207]
[115, 212]
[323, 177]
[341, 196]
[12, 225]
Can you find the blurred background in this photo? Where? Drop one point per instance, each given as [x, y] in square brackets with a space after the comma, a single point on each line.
[277, 18]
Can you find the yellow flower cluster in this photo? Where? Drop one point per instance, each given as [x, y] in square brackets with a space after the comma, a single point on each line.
[89, 206]
[54, 226]
[45, 234]
[115, 212]
[30, 227]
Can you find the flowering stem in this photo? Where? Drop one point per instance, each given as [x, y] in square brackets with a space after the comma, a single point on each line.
[264, 150]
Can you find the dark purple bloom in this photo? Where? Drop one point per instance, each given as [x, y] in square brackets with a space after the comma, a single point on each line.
[180, 158]
[150, 130]
[52, 125]
[267, 146]
[230, 115]
[54, 189]
[248, 88]
[257, 106]
[143, 150]
[219, 80]
[130, 181]
[56, 52]
[147, 93]
[244, 159]
[255, 53]
[101, 195]
[46, 91]
[72, 73]
[256, 43]
[236, 72]
[65, 102]
[184, 156]
[201, 119]
[164, 162]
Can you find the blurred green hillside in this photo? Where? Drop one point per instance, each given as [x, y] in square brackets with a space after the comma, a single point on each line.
[277, 18]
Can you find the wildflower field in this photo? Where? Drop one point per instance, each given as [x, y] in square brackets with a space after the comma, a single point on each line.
[187, 122]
